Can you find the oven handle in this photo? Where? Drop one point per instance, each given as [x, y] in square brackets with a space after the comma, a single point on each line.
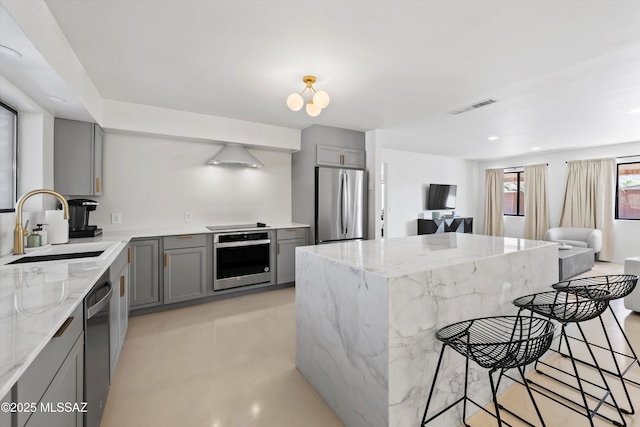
[243, 243]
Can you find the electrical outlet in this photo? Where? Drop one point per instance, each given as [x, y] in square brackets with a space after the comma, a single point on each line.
[187, 217]
[116, 218]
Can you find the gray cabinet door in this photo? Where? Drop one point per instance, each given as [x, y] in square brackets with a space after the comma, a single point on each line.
[98, 146]
[77, 154]
[328, 156]
[185, 274]
[286, 260]
[338, 156]
[5, 417]
[119, 316]
[65, 388]
[353, 158]
[124, 304]
[144, 276]
[35, 383]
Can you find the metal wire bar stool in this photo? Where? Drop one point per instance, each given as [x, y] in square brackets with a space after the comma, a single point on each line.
[618, 286]
[498, 344]
[572, 307]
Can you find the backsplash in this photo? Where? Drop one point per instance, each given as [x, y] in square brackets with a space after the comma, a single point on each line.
[153, 181]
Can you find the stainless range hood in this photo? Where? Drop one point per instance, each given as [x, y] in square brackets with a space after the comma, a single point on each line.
[235, 155]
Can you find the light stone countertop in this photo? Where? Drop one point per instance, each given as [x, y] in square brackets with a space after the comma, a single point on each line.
[394, 257]
[36, 298]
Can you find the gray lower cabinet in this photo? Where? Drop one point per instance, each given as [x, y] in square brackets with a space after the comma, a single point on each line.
[185, 268]
[144, 290]
[288, 240]
[119, 307]
[66, 389]
[5, 416]
[55, 376]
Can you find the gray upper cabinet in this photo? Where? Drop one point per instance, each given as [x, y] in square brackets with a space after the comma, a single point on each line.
[353, 158]
[185, 271]
[338, 156]
[77, 153]
[288, 240]
[144, 278]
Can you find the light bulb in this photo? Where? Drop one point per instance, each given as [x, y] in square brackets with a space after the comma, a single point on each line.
[312, 109]
[295, 102]
[321, 99]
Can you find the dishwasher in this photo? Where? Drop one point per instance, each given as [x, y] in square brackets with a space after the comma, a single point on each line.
[96, 351]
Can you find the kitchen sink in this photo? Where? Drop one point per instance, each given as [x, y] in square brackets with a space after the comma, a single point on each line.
[91, 250]
[55, 257]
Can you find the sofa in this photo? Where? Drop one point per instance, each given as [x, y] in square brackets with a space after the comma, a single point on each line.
[576, 236]
[632, 301]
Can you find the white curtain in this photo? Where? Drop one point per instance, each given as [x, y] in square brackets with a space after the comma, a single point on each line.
[589, 199]
[493, 214]
[536, 202]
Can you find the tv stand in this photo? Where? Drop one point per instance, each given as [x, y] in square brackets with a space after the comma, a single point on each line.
[445, 225]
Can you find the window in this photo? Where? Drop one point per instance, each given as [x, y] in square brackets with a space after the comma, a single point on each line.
[8, 148]
[513, 199]
[628, 191]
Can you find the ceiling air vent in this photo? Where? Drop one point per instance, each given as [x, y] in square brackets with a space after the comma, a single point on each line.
[473, 106]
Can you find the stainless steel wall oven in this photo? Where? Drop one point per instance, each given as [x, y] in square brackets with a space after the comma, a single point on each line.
[242, 258]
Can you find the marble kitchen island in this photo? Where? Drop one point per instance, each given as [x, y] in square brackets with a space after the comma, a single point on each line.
[367, 313]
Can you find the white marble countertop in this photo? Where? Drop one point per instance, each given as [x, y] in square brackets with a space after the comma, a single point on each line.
[405, 255]
[36, 298]
[190, 229]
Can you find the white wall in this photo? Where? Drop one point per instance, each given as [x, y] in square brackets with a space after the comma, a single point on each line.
[626, 232]
[407, 180]
[152, 181]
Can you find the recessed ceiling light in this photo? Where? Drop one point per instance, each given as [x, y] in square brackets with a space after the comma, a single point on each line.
[634, 111]
[535, 148]
[57, 99]
[492, 138]
[9, 52]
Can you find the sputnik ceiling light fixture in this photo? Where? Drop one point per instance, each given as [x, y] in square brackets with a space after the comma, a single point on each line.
[318, 100]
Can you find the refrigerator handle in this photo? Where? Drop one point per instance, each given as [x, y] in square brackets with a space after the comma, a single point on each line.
[347, 196]
[343, 177]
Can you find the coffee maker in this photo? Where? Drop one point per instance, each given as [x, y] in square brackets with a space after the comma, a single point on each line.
[79, 218]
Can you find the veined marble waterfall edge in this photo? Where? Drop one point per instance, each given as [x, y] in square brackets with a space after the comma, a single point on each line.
[342, 338]
[365, 337]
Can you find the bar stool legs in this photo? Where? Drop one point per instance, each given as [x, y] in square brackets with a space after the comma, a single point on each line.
[618, 286]
[574, 306]
[601, 400]
[498, 344]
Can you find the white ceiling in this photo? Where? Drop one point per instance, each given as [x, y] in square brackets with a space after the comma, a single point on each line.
[564, 73]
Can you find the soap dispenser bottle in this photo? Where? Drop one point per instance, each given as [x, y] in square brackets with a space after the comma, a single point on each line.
[43, 234]
[34, 240]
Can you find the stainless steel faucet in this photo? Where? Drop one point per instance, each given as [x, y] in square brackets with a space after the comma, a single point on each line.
[20, 232]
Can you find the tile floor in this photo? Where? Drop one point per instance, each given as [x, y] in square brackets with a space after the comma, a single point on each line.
[231, 363]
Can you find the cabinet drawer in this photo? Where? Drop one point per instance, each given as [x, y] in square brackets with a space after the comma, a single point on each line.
[185, 241]
[291, 233]
[35, 380]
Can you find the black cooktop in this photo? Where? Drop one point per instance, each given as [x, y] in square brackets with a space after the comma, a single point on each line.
[235, 226]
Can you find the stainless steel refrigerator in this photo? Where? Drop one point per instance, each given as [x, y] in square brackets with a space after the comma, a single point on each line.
[340, 204]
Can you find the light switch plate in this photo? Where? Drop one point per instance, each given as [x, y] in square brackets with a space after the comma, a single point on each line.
[116, 218]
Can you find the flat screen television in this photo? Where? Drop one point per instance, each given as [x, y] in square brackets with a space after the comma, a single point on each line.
[441, 196]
